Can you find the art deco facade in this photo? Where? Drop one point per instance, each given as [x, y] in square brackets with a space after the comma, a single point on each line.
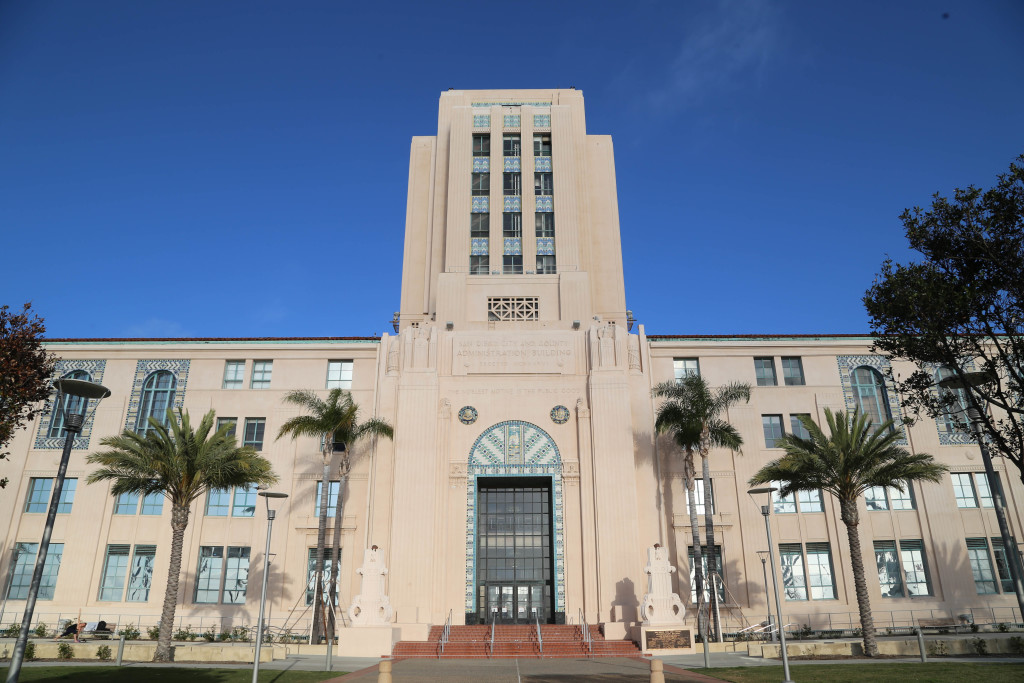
[524, 473]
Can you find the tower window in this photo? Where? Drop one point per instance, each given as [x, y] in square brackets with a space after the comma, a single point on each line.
[482, 145]
[546, 264]
[481, 184]
[511, 145]
[544, 224]
[543, 184]
[479, 225]
[542, 145]
[512, 224]
[513, 184]
[512, 264]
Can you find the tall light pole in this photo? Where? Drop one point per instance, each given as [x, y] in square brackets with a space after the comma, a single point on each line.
[73, 422]
[267, 495]
[974, 379]
[763, 554]
[766, 510]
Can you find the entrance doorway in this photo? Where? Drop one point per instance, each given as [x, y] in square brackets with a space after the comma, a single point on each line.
[514, 550]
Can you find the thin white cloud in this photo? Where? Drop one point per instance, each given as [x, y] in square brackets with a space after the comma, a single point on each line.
[156, 327]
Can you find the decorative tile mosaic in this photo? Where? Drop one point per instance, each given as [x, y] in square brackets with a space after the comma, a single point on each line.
[467, 415]
[481, 164]
[559, 415]
[481, 204]
[545, 204]
[512, 164]
[514, 449]
[142, 371]
[513, 204]
[481, 120]
[479, 246]
[542, 120]
[513, 246]
[542, 164]
[512, 120]
[847, 364]
[95, 369]
[545, 246]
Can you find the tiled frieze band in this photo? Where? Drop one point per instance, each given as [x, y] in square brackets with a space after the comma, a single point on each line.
[143, 370]
[95, 369]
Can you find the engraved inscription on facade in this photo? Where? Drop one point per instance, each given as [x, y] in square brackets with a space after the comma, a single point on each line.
[518, 353]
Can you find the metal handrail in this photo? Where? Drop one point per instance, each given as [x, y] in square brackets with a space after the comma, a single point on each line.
[586, 632]
[540, 641]
[494, 620]
[446, 631]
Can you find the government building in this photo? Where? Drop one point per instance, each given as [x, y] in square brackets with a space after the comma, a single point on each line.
[525, 476]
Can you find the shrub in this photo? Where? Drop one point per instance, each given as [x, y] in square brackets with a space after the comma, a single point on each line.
[224, 636]
[130, 632]
[937, 648]
[1002, 627]
[1017, 645]
[185, 633]
[209, 635]
[103, 652]
[980, 645]
[805, 632]
[240, 633]
[153, 632]
[13, 631]
[41, 630]
[65, 651]
[974, 628]
[30, 651]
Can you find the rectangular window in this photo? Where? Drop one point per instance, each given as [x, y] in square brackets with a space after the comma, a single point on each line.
[244, 503]
[543, 184]
[793, 371]
[479, 265]
[48, 582]
[685, 367]
[796, 426]
[901, 500]
[794, 582]
[261, 371]
[874, 498]
[326, 579]
[339, 372]
[218, 502]
[482, 145]
[719, 584]
[915, 568]
[1002, 570]
[513, 184]
[512, 264]
[153, 504]
[234, 374]
[782, 504]
[481, 184]
[511, 145]
[984, 492]
[114, 568]
[819, 571]
[67, 496]
[889, 578]
[332, 498]
[773, 432]
[236, 576]
[963, 490]
[542, 145]
[253, 435]
[232, 422]
[126, 504]
[512, 224]
[24, 564]
[810, 501]
[981, 566]
[38, 499]
[544, 224]
[140, 579]
[211, 565]
[546, 264]
[479, 224]
[700, 499]
[764, 369]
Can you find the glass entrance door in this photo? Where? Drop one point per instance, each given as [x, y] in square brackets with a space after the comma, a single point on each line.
[514, 557]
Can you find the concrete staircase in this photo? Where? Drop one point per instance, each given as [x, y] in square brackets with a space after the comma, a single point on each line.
[474, 642]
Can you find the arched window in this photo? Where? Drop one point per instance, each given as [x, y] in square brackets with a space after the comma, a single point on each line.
[955, 419]
[869, 393]
[73, 404]
[157, 397]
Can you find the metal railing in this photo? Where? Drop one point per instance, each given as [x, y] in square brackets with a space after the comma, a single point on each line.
[540, 641]
[446, 632]
[587, 639]
[494, 620]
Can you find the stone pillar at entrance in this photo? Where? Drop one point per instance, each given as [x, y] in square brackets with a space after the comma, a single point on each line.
[660, 606]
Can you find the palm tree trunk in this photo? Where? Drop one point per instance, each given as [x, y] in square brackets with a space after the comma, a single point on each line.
[321, 536]
[867, 622]
[709, 525]
[336, 551]
[698, 557]
[179, 520]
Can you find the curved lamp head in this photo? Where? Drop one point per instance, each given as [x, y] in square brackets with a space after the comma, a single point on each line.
[272, 494]
[81, 388]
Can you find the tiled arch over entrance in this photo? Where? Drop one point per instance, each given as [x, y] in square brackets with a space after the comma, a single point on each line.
[514, 449]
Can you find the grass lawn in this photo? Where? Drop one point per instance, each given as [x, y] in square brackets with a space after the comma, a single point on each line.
[939, 672]
[130, 674]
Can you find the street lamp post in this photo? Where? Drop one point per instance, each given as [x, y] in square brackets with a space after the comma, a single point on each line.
[73, 422]
[267, 495]
[973, 379]
[766, 510]
[763, 554]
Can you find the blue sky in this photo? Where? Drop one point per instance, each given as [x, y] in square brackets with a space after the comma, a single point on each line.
[240, 168]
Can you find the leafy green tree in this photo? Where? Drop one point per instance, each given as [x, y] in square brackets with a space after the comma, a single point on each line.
[960, 307]
[692, 414]
[25, 369]
[182, 464]
[335, 422]
[848, 461]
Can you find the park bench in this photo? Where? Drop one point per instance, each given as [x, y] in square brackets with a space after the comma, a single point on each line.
[91, 629]
[940, 623]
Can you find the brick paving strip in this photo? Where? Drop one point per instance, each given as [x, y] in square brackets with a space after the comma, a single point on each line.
[525, 671]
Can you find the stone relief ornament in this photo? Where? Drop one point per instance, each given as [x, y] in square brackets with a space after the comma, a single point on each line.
[372, 606]
[467, 415]
[559, 415]
[660, 605]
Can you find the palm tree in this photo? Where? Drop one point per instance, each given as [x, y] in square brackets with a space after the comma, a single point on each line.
[335, 421]
[853, 458]
[182, 464]
[692, 413]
